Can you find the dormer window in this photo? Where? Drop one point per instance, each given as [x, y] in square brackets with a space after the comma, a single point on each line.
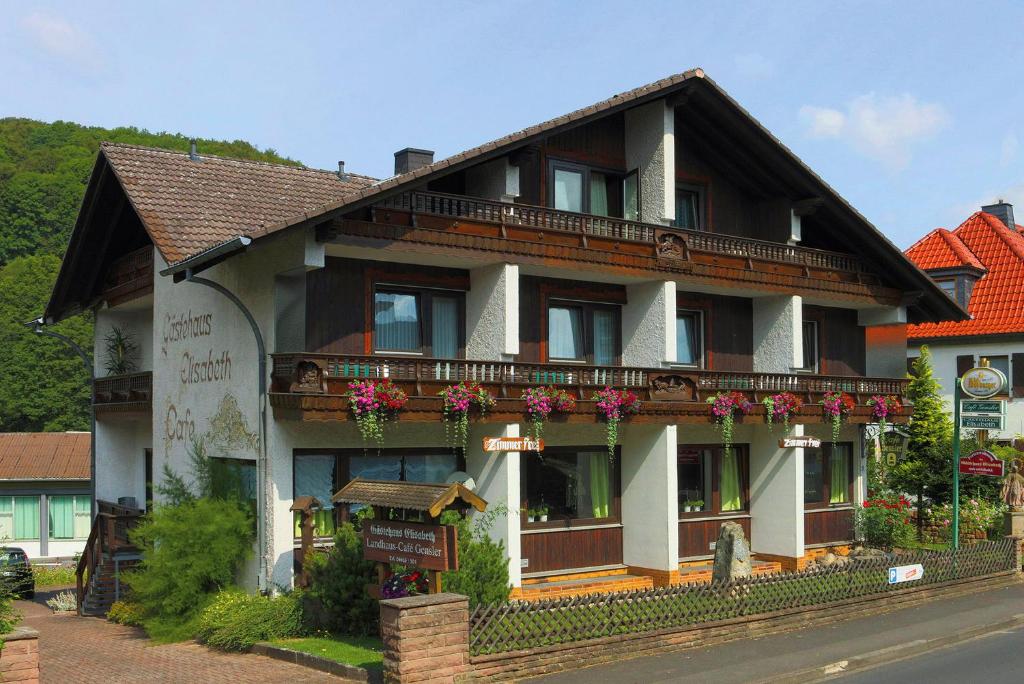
[957, 285]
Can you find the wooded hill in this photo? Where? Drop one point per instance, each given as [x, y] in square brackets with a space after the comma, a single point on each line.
[44, 168]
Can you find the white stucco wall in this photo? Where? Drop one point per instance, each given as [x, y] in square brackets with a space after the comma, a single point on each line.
[121, 443]
[650, 513]
[649, 324]
[778, 343]
[650, 147]
[492, 312]
[776, 495]
[497, 482]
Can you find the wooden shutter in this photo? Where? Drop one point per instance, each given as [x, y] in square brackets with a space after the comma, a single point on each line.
[964, 364]
[1017, 375]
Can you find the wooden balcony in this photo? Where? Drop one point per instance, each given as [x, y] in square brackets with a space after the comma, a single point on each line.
[132, 393]
[129, 277]
[543, 234]
[312, 387]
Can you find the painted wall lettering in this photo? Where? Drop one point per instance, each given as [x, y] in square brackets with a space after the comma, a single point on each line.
[179, 427]
[197, 369]
[183, 326]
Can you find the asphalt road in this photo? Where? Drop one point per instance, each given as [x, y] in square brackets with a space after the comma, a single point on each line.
[994, 659]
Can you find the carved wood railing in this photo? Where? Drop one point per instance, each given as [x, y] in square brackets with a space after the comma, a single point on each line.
[665, 238]
[129, 276]
[121, 391]
[109, 535]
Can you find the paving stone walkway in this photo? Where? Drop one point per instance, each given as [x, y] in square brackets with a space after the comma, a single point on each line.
[87, 650]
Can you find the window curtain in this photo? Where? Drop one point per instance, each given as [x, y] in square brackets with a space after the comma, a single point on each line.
[839, 482]
[445, 333]
[396, 321]
[630, 201]
[568, 190]
[600, 485]
[314, 476]
[429, 468]
[62, 516]
[565, 333]
[604, 337]
[598, 194]
[686, 209]
[810, 344]
[686, 338]
[26, 517]
[83, 517]
[729, 486]
[6, 518]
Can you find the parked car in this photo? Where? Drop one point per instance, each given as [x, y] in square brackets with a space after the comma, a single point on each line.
[16, 572]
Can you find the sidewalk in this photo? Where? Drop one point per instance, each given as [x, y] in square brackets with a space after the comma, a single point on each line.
[774, 657]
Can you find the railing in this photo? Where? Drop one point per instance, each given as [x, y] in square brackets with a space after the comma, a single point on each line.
[130, 272]
[122, 389]
[492, 211]
[310, 373]
[109, 534]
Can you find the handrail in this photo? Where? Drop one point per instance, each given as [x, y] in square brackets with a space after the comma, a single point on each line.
[504, 213]
[108, 534]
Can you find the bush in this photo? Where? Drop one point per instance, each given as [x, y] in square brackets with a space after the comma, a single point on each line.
[483, 564]
[884, 522]
[189, 551]
[64, 601]
[125, 613]
[235, 620]
[337, 600]
[9, 617]
[978, 519]
[53, 575]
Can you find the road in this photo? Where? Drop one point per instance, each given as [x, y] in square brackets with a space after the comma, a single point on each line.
[802, 655]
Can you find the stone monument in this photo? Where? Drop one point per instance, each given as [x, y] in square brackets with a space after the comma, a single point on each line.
[732, 555]
[1013, 494]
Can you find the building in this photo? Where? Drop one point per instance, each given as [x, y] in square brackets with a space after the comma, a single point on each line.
[980, 265]
[45, 505]
[661, 240]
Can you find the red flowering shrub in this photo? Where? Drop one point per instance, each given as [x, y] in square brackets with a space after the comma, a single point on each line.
[884, 522]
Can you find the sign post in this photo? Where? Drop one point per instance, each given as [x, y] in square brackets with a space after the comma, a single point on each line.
[956, 465]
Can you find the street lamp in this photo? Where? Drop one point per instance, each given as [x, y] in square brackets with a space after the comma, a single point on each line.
[37, 327]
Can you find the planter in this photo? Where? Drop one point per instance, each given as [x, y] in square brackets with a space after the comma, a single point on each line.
[543, 518]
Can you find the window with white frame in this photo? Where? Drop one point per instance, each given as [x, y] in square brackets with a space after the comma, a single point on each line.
[19, 518]
[69, 516]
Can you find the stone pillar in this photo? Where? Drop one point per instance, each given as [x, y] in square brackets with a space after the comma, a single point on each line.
[492, 312]
[649, 324]
[778, 338]
[19, 658]
[650, 512]
[651, 148]
[426, 638]
[497, 482]
[777, 498]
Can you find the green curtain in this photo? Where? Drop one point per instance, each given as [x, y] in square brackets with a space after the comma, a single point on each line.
[26, 517]
[840, 482]
[62, 517]
[729, 487]
[600, 491]
[323, 523]
[83, 517]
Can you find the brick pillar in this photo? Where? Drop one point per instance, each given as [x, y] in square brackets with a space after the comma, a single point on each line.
[426, 638]
[19, 659]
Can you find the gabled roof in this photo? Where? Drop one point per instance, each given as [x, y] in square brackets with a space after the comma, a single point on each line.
[997, 301]
[44, 455]
[414, 496]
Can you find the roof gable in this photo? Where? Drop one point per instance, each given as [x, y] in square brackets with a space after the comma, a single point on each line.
[942, 249]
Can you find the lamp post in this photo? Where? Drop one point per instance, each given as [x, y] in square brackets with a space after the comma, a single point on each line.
[37, 327]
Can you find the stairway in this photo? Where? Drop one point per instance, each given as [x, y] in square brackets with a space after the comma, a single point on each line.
[105, 585]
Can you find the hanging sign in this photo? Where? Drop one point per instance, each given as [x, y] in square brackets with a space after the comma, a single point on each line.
[799, 443]
[982, 462]
[983, 382]
[906, 573]
[430, 547]
[983, 422]
[997, 407]
[513, 444]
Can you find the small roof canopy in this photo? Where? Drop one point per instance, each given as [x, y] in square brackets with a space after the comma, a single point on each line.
[413, 496]
[306, 503]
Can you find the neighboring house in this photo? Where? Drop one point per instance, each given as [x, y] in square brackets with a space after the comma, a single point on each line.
[980, 265]
[45, 507]
[661, 241]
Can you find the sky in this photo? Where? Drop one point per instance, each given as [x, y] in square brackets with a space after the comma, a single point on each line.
[910, 110]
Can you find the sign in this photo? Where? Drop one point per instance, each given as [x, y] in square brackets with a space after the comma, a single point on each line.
[983, 382]
[982, 422]
[986, 407]
[799, 443]
[430, 547]
[513, 444]
[906, 573]
[982, 462]
[891, 458]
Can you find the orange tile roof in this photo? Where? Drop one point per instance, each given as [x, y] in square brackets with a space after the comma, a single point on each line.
[44, 455]
[997, 301]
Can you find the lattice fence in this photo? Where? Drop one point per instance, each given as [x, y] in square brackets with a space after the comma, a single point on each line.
[498, 628]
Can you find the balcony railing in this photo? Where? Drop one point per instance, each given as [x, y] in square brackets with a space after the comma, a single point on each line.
[668, 241]
[129, 276]
[130, 392]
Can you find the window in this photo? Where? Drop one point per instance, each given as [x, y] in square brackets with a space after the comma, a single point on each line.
[689, 207]
[690, 338]
[1000, 363]
[19, 518]
[424, 322]
[810, 343]
[631, 197]
[711, 480]
[70, 517]
[828, 475]
[314, 476]
[568, 193]
[583, 332]
[949, 287]
[570, 486]
[578, 188]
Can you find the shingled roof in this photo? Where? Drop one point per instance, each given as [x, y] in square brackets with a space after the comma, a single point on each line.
[44, 455]
[997, 300]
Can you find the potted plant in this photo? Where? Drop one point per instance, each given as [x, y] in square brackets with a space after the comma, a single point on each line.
[781, 406]
[613, 405]
[724, 407]
[542, 512]
[882, 407]
[687, 506]
[835, 406]
[698, 505]
[457, 401]
[531, 515]
[372, 404]
[121, 351]
[541, 402]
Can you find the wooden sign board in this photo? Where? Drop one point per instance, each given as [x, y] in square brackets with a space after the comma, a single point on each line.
[983, 422]
[513, 444]
[430, 547]
[982, 462]
[799, 443]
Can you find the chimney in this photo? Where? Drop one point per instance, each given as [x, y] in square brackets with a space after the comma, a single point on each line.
[341, 170]
[411, 159]
[1002, 211]
[193, 150]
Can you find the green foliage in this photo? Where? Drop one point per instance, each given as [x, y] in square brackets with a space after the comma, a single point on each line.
[189, 551]
[884, 522]
[977, 517]
[9, 617]
[126, 613]
[483, 565]
[337, 600]
[235, 620]
[122, 352]
[63, 601]
[53, 575]
[361, 651]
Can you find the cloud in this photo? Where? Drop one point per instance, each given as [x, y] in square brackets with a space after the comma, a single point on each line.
[753, 65]
[61, 39]
[1008, 149]
[883, 128]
